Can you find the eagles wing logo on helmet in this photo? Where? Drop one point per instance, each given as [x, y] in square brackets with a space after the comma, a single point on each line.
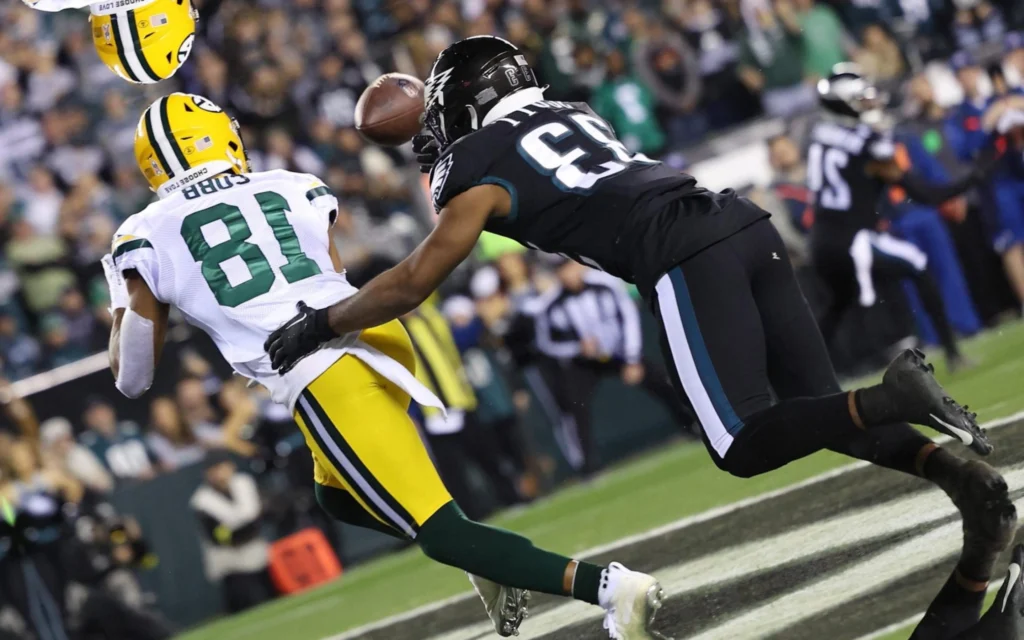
[435, 84]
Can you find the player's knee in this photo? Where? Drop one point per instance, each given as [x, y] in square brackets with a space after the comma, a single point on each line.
[739, 468]
[741, 461]
[441, 532]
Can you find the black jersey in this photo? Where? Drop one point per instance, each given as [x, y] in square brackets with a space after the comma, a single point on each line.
[577, 191]
[844, 194]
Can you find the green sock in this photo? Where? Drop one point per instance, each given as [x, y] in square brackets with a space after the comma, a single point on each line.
[587, 583]
[502, 556]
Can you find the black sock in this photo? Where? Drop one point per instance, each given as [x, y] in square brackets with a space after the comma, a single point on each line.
[942, 468]
[954, 609]
[876, 406]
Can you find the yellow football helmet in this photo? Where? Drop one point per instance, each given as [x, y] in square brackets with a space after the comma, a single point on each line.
[183, 137]
[143, 40]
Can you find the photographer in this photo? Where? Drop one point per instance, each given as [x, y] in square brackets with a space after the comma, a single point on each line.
[229, 511]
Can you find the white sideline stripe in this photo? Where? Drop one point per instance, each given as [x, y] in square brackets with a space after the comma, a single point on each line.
[762, 555]
[682, 523]
[55, 377]
[896, 626]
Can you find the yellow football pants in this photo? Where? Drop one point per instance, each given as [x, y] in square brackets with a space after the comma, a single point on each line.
[356, 424]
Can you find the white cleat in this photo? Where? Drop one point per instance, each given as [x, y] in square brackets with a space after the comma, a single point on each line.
[505, 606]
[631, 600]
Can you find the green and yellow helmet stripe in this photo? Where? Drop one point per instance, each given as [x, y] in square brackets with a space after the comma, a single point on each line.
[166, 121]
[133, 28]
[129, 48]
[150, 129]
[119, 44]
[158, 130]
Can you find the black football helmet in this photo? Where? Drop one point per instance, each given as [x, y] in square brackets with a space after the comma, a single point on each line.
[467, 80]
[848, 93]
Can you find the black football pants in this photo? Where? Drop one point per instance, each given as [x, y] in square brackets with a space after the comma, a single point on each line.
[735, 328]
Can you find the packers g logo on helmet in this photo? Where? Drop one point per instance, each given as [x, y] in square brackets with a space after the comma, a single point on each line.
[182, 138]
[143, 41]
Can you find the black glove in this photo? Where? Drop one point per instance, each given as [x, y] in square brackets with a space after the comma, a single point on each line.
[299, 337]
[425, 146]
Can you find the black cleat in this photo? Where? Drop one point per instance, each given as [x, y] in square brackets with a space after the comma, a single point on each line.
[912, 385]
[989, 516]
[1004, 620]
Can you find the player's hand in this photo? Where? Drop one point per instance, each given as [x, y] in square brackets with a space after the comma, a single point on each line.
[632, 374]
[425, 146]
[299, 337]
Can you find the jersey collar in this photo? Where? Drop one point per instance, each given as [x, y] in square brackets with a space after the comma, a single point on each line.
[514, 102]
[207, 169]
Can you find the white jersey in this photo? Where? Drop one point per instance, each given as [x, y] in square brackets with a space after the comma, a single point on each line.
[96, 7]
[235, 254]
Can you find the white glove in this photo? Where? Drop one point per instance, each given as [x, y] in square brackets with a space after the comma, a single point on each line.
[119, 297]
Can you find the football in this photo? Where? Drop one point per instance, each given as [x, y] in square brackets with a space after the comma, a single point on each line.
[390, 111]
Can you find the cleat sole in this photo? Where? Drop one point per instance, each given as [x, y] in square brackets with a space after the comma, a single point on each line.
[655, 601]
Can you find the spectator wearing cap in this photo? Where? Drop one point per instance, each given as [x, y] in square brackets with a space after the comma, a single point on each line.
[772, 60]
[235, 554]
[117, 443]
[57, 440]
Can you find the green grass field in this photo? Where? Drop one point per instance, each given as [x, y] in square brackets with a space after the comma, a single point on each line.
[675, 482]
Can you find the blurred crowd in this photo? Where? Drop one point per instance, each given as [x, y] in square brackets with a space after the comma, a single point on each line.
[664, 74]
[508, 356]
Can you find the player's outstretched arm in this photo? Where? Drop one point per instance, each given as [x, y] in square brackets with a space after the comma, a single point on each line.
[137, 333]
[398, 290]
[401, 289]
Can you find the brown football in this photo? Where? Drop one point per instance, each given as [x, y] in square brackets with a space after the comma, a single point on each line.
[390, 111]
